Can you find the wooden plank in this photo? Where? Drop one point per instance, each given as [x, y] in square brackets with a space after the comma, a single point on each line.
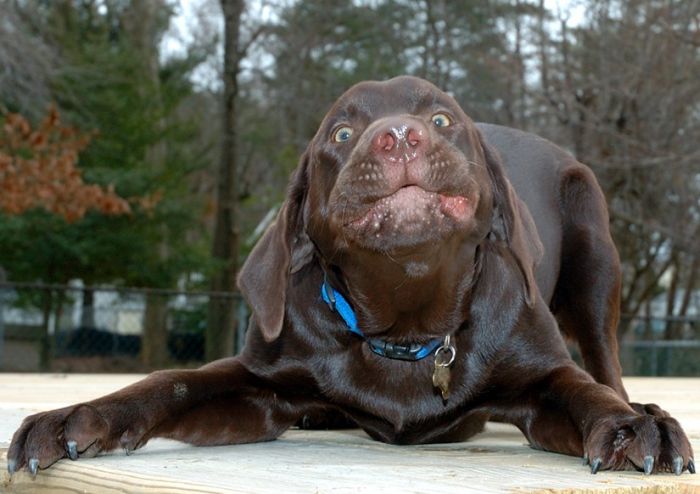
[497, 460]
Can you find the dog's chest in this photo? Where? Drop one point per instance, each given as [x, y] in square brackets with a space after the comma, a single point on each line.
[396, 395]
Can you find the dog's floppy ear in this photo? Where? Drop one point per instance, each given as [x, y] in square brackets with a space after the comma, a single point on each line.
[283, 249]
[513, 224]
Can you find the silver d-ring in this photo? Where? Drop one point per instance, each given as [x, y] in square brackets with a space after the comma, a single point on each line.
[453, 354]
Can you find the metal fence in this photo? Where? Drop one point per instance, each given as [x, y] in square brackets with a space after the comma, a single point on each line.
[660, 346]
[68, 328]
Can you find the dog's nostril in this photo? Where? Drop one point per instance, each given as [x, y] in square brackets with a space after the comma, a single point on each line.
[385, 141]
[414, 137]
[388, 142]
[399, 140]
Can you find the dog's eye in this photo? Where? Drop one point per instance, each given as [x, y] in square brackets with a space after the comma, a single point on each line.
[343, 134]
[441, 120]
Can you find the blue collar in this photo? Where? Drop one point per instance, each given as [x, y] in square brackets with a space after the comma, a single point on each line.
[411, 352]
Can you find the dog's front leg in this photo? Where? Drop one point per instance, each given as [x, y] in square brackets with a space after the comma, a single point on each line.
[568, 412]
[221, 403]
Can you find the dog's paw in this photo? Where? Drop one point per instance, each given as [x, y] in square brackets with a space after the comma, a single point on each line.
[44, 438]
[647, 443]
[649, 409]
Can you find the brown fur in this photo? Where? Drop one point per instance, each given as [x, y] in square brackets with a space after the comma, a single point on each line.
[527, 245]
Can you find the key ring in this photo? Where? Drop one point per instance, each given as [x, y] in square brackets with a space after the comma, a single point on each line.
[446, 347]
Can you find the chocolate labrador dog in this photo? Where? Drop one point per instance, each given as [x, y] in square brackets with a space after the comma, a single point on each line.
[417, 280]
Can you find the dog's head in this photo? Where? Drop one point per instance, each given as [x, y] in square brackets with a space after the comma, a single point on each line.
[401, 166]
[396, 170]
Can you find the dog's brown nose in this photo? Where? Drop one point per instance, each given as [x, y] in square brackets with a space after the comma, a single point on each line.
[400, 139]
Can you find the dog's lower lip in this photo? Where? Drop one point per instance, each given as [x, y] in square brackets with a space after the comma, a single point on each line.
[401, 201]
[455, 206]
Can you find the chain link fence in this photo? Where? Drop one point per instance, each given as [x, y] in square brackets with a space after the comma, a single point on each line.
[65, 328]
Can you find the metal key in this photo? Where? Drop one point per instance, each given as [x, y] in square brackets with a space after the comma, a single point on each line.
[441, 379]
[444, 357]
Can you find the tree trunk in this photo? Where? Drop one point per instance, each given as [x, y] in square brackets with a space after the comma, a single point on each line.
[519, 95]
[3, 294]
[59, 305]
[690, 286]
[221, 320]
[87, 313]
[671, 329]
[140, 20]
[154, 345]
[45, 343]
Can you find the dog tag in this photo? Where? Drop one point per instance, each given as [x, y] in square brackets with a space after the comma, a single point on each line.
[441, 379]
[444, 356]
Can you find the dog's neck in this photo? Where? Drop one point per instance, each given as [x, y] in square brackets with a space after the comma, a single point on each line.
[417, 296]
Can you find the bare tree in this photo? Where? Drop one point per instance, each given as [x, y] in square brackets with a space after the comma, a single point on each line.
[625, 87]
[140, 20]
[221, 321]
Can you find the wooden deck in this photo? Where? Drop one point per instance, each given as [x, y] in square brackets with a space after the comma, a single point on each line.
[497, 460]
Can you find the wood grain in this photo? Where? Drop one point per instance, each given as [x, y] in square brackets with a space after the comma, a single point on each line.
[497, 460]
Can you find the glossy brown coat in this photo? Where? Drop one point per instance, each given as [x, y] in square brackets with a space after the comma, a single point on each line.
[429, 225]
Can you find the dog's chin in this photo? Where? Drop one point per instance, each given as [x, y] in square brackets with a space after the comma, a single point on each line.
[410, 217]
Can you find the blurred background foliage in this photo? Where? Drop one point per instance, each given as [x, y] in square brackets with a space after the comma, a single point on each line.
[617, 82]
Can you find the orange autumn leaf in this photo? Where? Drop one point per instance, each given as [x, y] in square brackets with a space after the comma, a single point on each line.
[38, 169]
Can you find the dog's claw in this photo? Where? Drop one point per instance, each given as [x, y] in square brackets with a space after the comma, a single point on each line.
[595, 466]
[648, 465]
[678, 465]
[11, 466]
[691, 466]
[33, 466]
[72, 450]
